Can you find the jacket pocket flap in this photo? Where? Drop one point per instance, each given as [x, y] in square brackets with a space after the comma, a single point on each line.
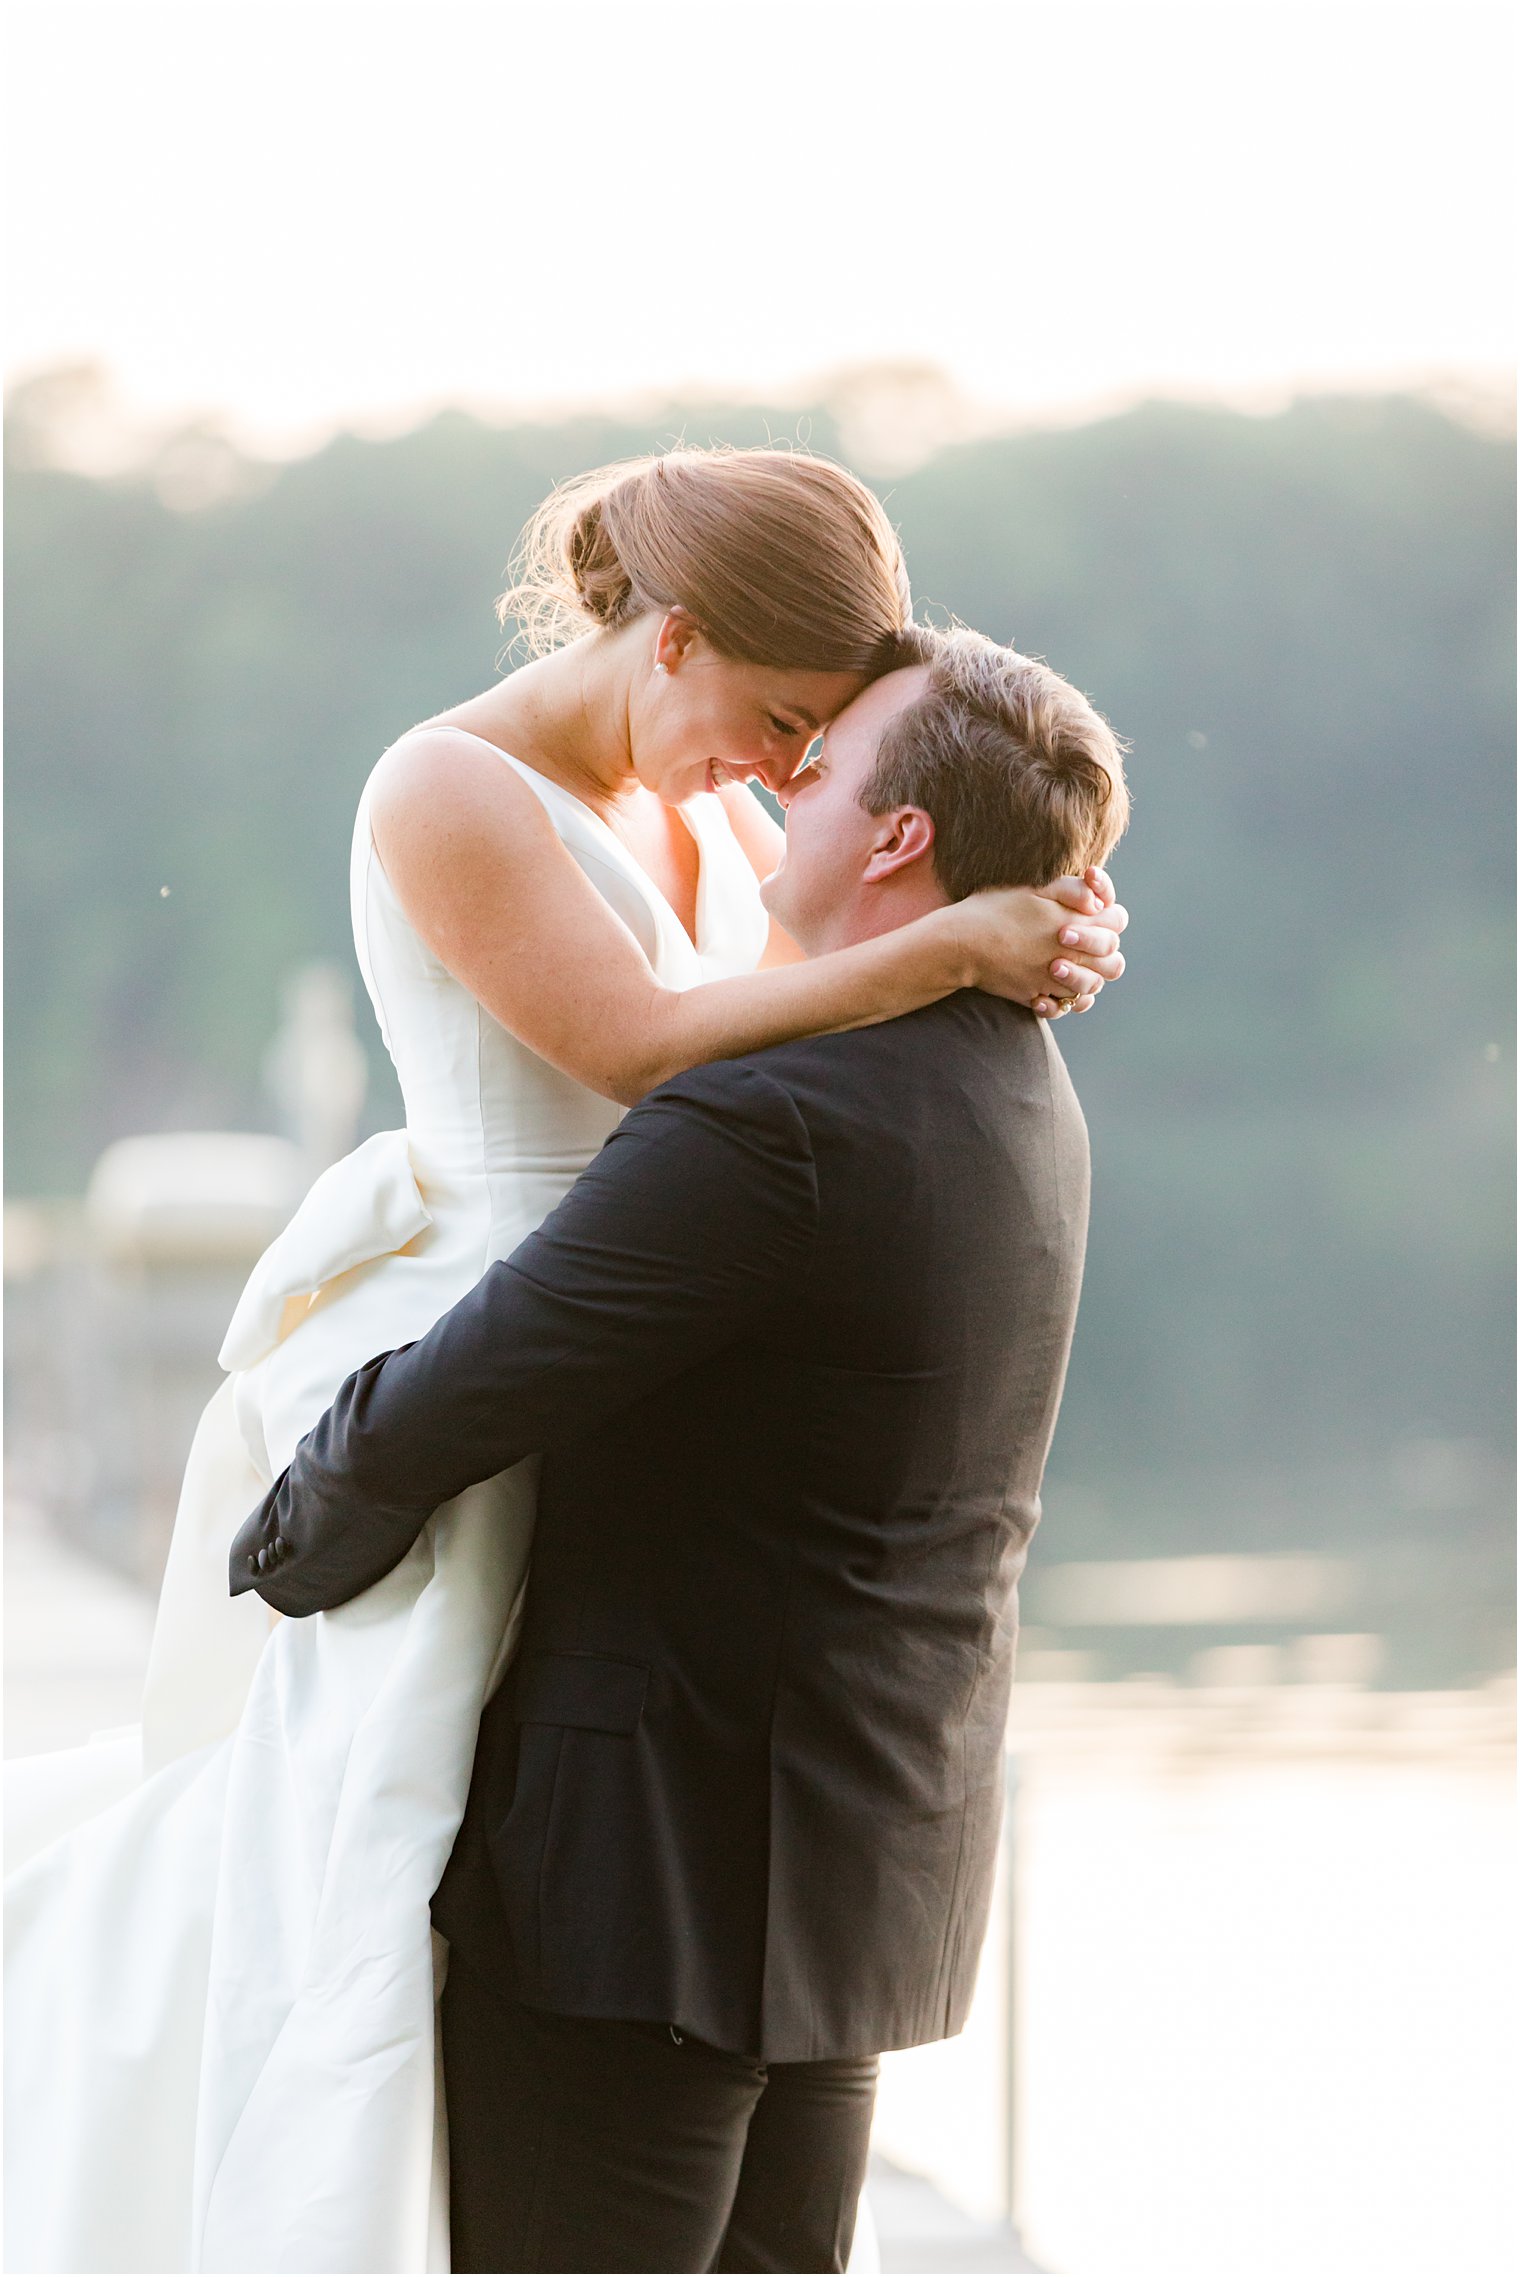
[582, 1690]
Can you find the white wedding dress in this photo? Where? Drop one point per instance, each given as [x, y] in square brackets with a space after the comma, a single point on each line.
[220, 1973]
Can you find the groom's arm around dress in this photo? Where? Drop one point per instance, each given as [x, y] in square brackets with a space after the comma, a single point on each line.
[701, 1206]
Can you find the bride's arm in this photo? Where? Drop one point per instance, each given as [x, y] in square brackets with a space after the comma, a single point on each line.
[762, 842]
[483, 878]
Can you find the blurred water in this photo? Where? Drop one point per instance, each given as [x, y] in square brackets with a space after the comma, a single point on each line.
[1265, 1989]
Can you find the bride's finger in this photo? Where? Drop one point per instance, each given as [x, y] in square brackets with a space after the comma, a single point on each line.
[1057, 1007]
[1078, 980]
[1107, 968]
[1077, 894]
[1089, 940]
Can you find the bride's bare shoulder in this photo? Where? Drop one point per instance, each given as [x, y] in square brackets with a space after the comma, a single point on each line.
[438, 771]
[449, 811]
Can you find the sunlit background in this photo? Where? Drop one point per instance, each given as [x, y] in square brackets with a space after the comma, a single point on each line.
[1179, 342]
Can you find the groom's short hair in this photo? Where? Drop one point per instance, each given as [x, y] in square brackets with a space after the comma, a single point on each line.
[1022, 779]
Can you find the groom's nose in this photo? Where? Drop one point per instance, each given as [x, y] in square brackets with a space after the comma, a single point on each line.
[793, 779]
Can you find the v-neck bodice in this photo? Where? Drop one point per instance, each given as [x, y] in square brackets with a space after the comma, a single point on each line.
[731, 928]
[474, 1092]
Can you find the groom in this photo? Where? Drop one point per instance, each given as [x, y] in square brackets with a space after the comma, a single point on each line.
[792, 1350]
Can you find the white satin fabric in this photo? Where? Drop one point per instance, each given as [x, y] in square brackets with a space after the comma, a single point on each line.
[220, 1971]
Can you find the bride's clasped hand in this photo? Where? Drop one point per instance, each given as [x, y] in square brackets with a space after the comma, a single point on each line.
[1007, 930]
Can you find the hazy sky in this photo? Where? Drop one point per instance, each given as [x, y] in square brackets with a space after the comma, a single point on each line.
[351, 209]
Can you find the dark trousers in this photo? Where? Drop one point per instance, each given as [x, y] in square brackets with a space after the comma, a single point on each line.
[577, 2144]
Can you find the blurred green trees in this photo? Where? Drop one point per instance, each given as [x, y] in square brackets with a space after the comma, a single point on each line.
[1300, 1096]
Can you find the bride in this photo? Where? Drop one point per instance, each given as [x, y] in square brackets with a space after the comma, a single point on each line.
[221, 1977]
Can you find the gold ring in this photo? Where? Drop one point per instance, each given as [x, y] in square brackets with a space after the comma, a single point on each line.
[1065, 1003]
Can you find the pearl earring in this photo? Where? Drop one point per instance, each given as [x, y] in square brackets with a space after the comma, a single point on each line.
[665, 668]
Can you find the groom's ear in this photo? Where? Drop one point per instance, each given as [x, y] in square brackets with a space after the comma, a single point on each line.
[904, 835]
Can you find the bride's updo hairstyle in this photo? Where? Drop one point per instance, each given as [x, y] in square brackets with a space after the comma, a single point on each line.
[780, 558]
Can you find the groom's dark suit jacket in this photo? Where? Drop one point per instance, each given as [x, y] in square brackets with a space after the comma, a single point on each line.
[792, 1348]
